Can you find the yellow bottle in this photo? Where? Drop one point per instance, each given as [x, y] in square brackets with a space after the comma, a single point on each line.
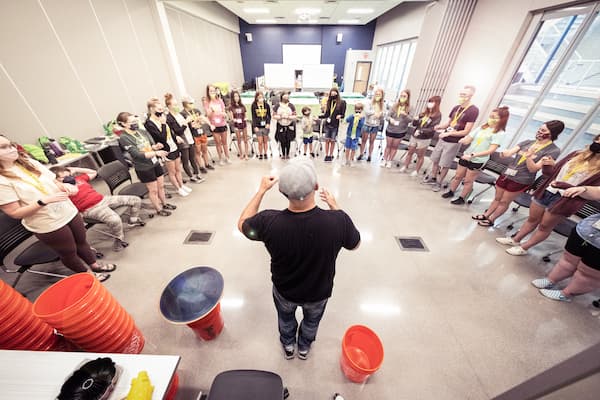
[141, 387]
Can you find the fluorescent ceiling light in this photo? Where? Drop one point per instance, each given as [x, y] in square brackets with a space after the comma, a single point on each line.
[266, 21]
[256, 10]
[349, 21]
[360, 11]
[309, 11]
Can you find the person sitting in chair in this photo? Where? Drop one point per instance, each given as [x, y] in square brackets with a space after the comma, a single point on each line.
[93, 205]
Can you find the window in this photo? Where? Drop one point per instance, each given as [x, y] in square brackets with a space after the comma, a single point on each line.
[559, 78]
[392, 63]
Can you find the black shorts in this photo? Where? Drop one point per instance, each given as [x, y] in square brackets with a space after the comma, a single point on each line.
[576, 245]
[473, 166]
[174, 155]
[150, 175]
[395, 135]
[220, 129]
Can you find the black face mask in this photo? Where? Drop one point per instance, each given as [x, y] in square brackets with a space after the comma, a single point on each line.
[158, 114]
[134, 127]
[595, 147]
[69, 179]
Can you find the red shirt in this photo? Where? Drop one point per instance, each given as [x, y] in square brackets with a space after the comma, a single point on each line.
[87, 197]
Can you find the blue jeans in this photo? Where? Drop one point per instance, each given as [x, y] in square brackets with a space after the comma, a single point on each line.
[288, 325]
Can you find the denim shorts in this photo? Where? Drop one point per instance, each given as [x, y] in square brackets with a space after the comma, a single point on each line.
[307, 140]
[351, 144]
[330, 132]
[370, 129]
[548, 199]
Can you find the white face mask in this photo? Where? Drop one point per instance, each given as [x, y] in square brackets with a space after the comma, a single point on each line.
[9, 154]
[430, 105]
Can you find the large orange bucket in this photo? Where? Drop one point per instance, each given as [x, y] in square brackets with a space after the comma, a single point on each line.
[362, 353]
[19, 328]
[85, 312]
[192, 298]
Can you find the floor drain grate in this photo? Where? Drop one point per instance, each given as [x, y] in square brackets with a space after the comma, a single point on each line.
[199, 237]
[411, 243]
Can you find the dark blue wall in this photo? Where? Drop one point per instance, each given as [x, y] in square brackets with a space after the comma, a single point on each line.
[267, 40]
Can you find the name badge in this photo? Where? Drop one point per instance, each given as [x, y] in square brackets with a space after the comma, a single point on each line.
[263, 123]
[328, 120]
[394, 122]
[200, 131]
[154, 160]
[417, 133]
[218, 120]
[238, 120]
[510, 172]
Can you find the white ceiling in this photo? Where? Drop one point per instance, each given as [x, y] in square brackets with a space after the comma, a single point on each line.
[324, 12]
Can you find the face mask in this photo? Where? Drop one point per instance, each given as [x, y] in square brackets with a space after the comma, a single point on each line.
[430, 105]
[333, 95]
[377, 98]
[358, 113]
[212, 95]
[542, 136]
[134, 126]
[462, 100]
[492, 121]
[403, 100]
[176, 110]
[595, 147]
[10, 154]
[69, 179]
[158, 114]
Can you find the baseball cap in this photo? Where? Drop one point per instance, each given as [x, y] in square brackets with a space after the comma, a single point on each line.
[298, 179]
[187, 99]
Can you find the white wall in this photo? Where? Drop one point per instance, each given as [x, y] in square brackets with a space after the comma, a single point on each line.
[68, 66]
[352, 57]
[210, 12]
[400, 23]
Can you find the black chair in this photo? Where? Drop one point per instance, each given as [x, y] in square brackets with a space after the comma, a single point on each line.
[524, 199]
[13, 234]
[496, 164]
[247, 384]
[565, 227]
[115, 173]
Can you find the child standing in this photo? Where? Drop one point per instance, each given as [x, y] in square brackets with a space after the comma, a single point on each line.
[307, 130]
[355, 124]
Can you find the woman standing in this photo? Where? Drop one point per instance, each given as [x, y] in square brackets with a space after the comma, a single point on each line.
[482, 143]
[261, 123]
[398, 119]
[145, 154]
[549, 206]
[285, 115]
[423, 133]
[374, 117]
[217, 115]
[200, 139]
[237, 112]
[30, 192]
[183, 136]
[334, 112]
[157, 127]
[520, 173]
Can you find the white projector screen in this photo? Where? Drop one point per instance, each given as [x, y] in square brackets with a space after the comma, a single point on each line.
[279, 76]
[301, 54]
[317, 76]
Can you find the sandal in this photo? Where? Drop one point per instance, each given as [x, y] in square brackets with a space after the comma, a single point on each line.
[485, 222]
[101, 276]
[104, 267]
[163, 213]
[479, 217]
[169, 207]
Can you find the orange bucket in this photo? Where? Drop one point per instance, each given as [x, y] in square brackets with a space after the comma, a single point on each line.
[19, 328]
[192, 298]
[362, 353]
[85, 312]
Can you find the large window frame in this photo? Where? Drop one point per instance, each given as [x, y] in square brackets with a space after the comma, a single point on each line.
[392, 64]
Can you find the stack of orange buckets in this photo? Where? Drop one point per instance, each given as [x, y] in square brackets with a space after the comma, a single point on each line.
[85, 313]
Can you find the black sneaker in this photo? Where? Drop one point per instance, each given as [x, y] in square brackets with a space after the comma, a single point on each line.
[210, 167]
[312, 155]
[137, 222]
[303, 354]
[448, 194]
[369, 159]
[288, 352]
[359, 158]
[265, 157]
[169, 206]
[458, 201]
[326, 158]
[260, 156]
[194, 179]
[203, 170]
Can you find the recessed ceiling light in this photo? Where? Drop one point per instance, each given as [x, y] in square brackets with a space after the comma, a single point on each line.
[349, 21]
[360, 11]
[266, 21]
[256, 10]
[309, 11]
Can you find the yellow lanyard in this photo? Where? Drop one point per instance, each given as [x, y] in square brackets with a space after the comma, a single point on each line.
[483, 135]
[573, 169]
[333, 104]
[354, 126]
[523, 158]
[400, 109]
[141, 140]
[169, 133]
[457, 116]
[424, 120]
[261, 111]
[36, 183]
[194, 114]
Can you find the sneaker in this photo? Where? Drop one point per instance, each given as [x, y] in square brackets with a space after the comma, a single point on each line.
[265, 157]
[312, 155]
[194, 179]
[359, 158]
[203, 170]
[135, 222]
[382, 164]
[458, 202]
[210, 167]
[326, 158]
[288, 352]
[303, 354]
[228, 161]
[516, 251]
[402, 169]
[187, 188]
[388, 164]
[182, 192]
[260, 156]
[117, 245]
[369, 159]
[507, 241]
[163, 213]
[169, 206]
[414, 174]
[542, 283]
[101, 276]
[429, 181]
[549, 293]
[436, 187]
[448, 194]
[221, 162]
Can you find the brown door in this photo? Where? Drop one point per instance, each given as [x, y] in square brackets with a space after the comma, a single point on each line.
[361, 76]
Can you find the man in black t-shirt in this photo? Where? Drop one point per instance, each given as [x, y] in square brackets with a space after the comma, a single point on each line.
[303, 241]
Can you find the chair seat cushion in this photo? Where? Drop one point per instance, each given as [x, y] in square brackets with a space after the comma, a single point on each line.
[486, 179]
[246, 385]
[37, 253]
[138, 189]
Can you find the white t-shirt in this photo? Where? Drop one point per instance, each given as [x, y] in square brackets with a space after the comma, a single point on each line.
[181, 121]
[47, 219]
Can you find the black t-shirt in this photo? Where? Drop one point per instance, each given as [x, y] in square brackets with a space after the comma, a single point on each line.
[460, 117]
[303, 248]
